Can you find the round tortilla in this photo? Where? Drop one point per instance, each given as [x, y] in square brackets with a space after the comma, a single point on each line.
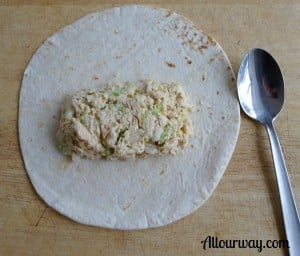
[129, 43]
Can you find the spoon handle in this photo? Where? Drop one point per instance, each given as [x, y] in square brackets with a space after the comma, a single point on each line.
[288, 205]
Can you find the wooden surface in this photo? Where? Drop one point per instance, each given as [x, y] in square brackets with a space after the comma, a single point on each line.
[244, 205]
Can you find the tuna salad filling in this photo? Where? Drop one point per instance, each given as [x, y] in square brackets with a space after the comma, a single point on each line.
[125, 121]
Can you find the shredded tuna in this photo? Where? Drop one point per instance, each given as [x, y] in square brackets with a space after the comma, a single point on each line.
[125, 121]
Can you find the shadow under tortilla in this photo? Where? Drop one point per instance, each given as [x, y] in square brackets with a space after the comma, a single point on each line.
[265, 158]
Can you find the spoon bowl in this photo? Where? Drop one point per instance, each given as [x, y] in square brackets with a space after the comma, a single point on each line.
[261, 94]
[260, 86]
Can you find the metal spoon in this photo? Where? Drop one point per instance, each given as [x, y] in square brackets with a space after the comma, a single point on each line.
[261, 95]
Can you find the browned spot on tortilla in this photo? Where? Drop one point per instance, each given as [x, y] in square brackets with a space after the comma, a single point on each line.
[96, 77]
[43, 148]
[176, 27]
[192, 146]
[223, 117]
[162, 171]
[127, 206]
[53, 116]
[211, 59]
[50, 43]
[228, 67]
[189, 62]
[119, 57]
[203, 77]
[71, 68]
[67, 56]
[218, 92]
[158, 49]
[202, 47]
[232, 79]
[168, 14]
[170, 65]
[195, 34]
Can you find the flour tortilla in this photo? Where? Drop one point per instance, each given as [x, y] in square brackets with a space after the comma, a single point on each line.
[129, 43]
